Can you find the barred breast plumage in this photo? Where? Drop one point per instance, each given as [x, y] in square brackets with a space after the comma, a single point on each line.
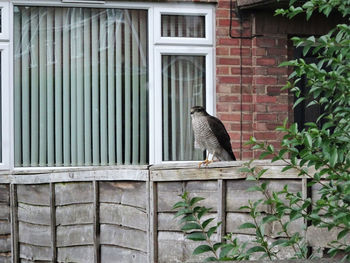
[204, 137]
[210, 134]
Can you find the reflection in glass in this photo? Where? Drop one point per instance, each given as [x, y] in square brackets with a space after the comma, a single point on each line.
[80, 86]
[183, 26]
[183, 86]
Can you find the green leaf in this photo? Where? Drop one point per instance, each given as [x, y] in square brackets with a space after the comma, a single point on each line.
[182, 212]
[334, 156]
[254, 189]
[268, 219]
[179, 204]
[246, 225]
[308, 140]
[213, 229]
[342, 234]
[196, 236]
[279, 242]
[195, 200]
[225, 250]
[188, 218]
[298, 101]
[201, 249]
[190, 226]
[255, 249]
[206, 222]
[203, 211]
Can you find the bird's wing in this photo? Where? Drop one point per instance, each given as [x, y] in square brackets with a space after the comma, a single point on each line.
[221, 134]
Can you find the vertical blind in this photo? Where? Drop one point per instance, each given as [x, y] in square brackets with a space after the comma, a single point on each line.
[183, 86]
[80, 86]
[183, 26]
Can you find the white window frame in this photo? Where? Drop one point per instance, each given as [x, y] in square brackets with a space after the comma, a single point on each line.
[5, 21]
[195, 10]
[6, 103]
[157, 46]
[208, 53]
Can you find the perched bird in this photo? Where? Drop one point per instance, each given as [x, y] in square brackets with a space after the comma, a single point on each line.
[210, 134]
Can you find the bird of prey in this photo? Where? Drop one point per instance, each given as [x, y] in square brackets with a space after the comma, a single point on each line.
[210, 134]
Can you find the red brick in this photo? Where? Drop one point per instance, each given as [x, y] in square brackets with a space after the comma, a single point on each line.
[247, 107]
[235, 127]
[228, 61]
[225, 13]
[227, 41]
[276, 51]
[222, 31]
[247, 71]
[247, 98]
[222, 51]
[223, 89]
[265, 99]
[277, 71]
[235, 70]
[259, 51]
[271, 126]
[260, 107]
[227, 98]
[223, 4]
[266, 80]
[235, 136]
[224, 22]
[265, 135]
[265, 42]
[266, 117]
[260, 126]
[237, 51]
[247, 117]
[247, 155]
[222, 107]
[260, 71]
[247, 80]
[222, 70]
[265, 61]
[230, 117]
[273, 91]
[246, 42]
[229, 79]
[246, 61]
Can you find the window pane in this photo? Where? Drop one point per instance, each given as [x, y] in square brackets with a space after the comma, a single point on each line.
[0, 108]
[80, 86]
[183, 26]
[183, 86]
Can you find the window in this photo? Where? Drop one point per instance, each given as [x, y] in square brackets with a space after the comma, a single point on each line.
[105, 83]
[183, 86]
[302, 113]
[5, 106]
[5, 20]
[81, 86]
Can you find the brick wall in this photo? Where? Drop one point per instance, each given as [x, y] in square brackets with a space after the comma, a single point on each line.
[248, 81]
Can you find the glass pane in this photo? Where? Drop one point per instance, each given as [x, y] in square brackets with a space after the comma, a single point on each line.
[183, 26]
[183, 86]
[80, 86]
[0, 108]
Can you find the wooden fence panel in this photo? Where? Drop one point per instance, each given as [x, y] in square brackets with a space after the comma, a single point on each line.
[126, 214]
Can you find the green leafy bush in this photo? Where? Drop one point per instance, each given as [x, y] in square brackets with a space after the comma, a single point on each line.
[320, 152]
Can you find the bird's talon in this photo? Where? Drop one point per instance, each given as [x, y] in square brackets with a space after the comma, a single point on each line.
[206, 162]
